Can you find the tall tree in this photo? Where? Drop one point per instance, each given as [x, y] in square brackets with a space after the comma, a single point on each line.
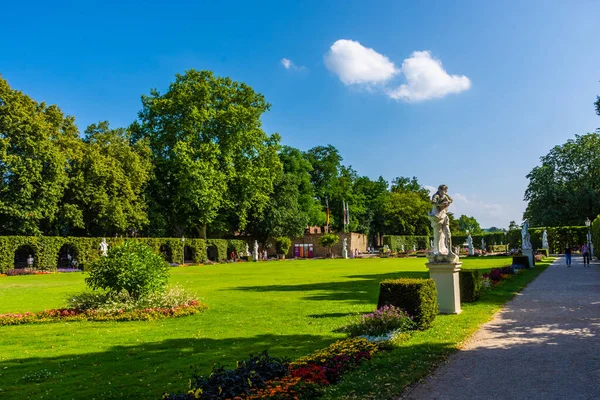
[597, 105]
[468, 224]
[564, 189]
[105, 195]
[326, 164]
[35, 142]
[513, 225]
[211, 157]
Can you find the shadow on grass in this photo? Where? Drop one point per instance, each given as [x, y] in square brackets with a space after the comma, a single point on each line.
[361, 289]
[143, 371]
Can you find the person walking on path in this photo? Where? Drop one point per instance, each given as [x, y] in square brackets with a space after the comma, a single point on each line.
[568, 255]
[586, 255]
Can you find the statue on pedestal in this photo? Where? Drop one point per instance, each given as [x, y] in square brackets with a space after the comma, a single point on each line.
[247, 253]
[344, 249]
[103, 248]
[440, 222]
[255, 253]
[545, 240]
[470, 244]
[482, 244]
[526, 239]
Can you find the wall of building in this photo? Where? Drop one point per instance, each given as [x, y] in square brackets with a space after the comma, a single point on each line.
[354, 241]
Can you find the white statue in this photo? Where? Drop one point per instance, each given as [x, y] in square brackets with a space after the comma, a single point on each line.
[470, 244]
[525, 236]
[545, 240]
[344, 248]
[431, 245]
[414, 247]
[247, 250]
[403, 247]
[255, 253]
[482, 244]
[440, 222]
[104, 248]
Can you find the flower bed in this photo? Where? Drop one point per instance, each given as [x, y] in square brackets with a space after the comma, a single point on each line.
[265, 377]
[70, 314]
[26, 271]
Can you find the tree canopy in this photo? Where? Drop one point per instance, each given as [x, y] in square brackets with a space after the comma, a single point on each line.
[564, 189]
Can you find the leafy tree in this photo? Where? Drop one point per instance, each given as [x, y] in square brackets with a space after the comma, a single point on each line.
[494, 229]
[131, 266]
[35, 144]
[513, 225]
[282, 245]
[564, 189]
[326, 164]
[469, 224]
[328, 240]
[454, 226]
[597, 105]
[211, 157]
[403, 213]
[363, 208]
[105, 195]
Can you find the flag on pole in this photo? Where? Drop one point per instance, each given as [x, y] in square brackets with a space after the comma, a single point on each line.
[327, 215]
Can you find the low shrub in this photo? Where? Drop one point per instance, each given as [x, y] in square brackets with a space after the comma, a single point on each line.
[381, 322]
[470, 285]
[282, 245]
[417, 296]
[130, 266]
[72, 315]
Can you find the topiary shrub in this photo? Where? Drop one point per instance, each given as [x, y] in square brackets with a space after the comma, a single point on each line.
[470, 285]
[521, 260]
[417, 296]
[282, 245]
[129, 266]
[328, 240]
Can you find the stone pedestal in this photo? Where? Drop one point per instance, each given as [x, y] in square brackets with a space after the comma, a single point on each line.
[529, 254]
[445, 276]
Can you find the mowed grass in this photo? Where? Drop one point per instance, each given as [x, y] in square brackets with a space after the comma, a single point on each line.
[290, 308]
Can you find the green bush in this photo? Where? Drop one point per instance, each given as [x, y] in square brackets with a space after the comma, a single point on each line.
[132, 267]
[470, 285]
[282, 245]
[521, 260]
[558, 237]
[417, 296]
[543, 251]
[328, 240]
[395, 242]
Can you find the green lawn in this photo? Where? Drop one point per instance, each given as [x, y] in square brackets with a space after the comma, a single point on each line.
[290, 308]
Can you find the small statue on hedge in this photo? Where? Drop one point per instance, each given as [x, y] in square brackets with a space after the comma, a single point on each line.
[103, 248]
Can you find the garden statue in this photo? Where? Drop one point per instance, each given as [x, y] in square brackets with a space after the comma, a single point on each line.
[482, 244]
[403, 247]
[440, 222]
[104, 248]
[470, 244]
[30, 261]
[344, 250]
[255, 253]
[431, 245]
[247, 250]
[545, 239]
[414, 247]
[525, 236]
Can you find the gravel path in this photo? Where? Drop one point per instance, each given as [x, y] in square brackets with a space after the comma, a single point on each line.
[544, 344]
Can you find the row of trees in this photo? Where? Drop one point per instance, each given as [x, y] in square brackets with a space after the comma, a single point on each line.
[196, 162]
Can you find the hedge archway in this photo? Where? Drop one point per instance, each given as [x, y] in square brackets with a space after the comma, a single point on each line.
[21, 254]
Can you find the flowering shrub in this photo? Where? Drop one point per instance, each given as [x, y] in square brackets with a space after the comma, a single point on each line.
[495, 274]
[486, 282]
[288, 388]
[26, 271]
[68, 270]
[70, 314]
[382, 321]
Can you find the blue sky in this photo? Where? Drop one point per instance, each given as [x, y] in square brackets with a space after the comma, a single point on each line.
[466, 93]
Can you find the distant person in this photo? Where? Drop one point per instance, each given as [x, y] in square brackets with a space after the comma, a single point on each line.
[568, 255]
[585, 251]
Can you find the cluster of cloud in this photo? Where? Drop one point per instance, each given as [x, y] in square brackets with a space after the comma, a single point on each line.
[288, 64]
[425, 76]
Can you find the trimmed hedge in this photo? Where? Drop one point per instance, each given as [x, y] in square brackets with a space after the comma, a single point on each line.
[395, 242]
[239, 246]
[46, 249]
[558, 237]
[470, 285]
[418, 297]
[490, 238]
[521, 260]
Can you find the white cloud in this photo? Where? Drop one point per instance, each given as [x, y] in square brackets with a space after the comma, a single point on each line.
[427, 79]
[355, 64]
[487, 214]
[287, 64]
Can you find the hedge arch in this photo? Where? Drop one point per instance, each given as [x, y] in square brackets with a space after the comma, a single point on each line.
[21, 254]
[66, 255]
[188, 254]
[221, 246]
[166, 252]
[212, 252]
